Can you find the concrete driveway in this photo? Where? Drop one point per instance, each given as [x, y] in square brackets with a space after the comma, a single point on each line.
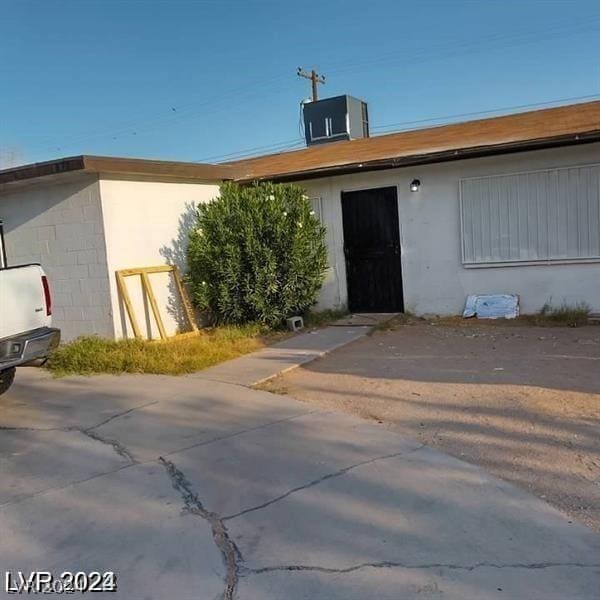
[520, 401]
[191, 488]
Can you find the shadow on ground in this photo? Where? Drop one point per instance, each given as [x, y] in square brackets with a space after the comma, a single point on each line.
[523, 402]
[310, 503]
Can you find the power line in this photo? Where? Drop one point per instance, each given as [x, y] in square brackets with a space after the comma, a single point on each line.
[251, 151]
[133, 127]
[175, 113]
[242, 93]
[449, 50]
[486, 112]
[291, 144]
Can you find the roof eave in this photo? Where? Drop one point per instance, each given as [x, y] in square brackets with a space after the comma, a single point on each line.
[428, 158]
[158, 169]
[122, 167]
[43, 169]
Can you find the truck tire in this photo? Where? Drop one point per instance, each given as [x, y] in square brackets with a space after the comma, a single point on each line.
[6, 378]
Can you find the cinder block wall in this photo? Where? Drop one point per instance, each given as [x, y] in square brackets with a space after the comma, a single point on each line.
[59, 225]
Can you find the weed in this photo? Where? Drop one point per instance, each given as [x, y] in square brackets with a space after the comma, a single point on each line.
[565, 314]
[92, 354]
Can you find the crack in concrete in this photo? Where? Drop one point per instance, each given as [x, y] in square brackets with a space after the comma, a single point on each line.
[122, 414]
[229, 551]
[119, 448]
[245, 572]
[58, 488]
[240, 432]
[75, 428]
[132, 464]
[9, 428]
[315, 482]
[125, 453]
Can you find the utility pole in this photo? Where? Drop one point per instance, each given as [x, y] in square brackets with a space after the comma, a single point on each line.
[315, 79]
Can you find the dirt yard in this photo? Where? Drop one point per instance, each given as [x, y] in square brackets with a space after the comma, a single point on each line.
[521, 401]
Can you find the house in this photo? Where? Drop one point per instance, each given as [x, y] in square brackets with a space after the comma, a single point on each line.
[416, 220]
[84, 218]
[503, 205]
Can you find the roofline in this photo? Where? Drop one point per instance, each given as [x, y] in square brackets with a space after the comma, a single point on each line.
[452, 143]
[429, 158]
[161, 169]
[51, 167]
[514, 139]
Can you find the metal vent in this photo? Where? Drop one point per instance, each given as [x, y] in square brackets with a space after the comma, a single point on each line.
[334, 119]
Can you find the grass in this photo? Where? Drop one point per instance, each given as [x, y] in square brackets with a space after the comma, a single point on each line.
[565, 314]
[91, 354]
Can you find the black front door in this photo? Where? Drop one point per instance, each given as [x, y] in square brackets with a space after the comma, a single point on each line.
[372, 249]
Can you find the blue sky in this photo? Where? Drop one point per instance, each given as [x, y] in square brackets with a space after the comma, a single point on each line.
[200, 79]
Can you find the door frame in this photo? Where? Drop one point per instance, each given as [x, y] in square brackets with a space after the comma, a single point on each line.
[360, 188]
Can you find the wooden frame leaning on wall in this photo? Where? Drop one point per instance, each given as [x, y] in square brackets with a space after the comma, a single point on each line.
[144, 273]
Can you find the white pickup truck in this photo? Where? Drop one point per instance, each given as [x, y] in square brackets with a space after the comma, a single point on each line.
[25, 317]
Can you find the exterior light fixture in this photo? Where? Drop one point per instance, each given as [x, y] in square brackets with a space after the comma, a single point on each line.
[415, 184]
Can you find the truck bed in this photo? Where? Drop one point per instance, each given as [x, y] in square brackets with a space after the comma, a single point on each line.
[24, 300]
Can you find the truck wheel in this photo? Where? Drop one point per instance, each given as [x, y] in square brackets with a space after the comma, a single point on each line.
[6, 378]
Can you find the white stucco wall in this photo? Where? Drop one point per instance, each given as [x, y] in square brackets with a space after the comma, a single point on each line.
[434, 279]
[59, 224]
[146, 224]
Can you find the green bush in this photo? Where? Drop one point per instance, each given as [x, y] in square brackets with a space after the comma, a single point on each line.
[257, 254]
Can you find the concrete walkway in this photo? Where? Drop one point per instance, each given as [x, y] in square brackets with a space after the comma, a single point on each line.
[191, 488]
[266, 363]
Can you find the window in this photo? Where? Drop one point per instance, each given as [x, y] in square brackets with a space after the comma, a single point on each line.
[540, 216]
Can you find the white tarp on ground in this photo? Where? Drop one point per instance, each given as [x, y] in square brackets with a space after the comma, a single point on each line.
[492, 306]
